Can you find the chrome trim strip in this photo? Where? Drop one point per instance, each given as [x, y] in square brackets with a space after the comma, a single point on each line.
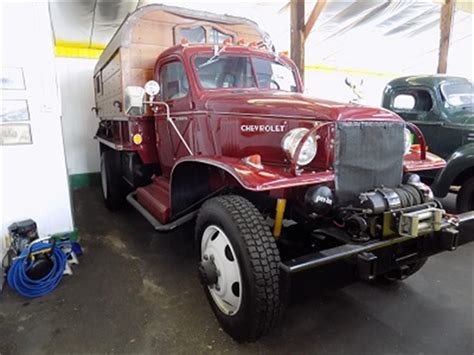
[109, 143]
[263, 115]
[180, 113]
[225, 113]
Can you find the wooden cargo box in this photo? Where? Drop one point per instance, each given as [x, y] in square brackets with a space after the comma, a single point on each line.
[130, 56]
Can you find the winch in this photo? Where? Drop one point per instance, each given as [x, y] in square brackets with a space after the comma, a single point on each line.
[385, 199]
[407, 210]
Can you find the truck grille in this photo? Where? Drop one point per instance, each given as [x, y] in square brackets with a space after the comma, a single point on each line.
[367, 155]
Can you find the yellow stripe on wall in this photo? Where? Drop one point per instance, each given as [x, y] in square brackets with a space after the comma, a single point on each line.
[74, 52]
[327, 68]
[77, 49]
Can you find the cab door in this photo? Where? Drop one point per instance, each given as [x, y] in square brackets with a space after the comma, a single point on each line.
[418, 105]
[174, 92]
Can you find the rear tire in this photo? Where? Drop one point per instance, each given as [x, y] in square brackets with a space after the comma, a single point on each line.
[401, 273]
[232, 233]
[112, 185]
[465, 198]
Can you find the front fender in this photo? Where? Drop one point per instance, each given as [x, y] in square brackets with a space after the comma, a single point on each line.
[190, 178]
[461, 160]
[253, 179]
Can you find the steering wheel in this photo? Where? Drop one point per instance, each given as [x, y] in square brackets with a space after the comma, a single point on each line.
[274, 85]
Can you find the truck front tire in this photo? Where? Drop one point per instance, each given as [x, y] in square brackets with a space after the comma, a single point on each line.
[110, 174]
[465, 198]
[239, 267]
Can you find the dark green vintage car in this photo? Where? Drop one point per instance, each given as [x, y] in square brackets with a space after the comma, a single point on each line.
[442, 107]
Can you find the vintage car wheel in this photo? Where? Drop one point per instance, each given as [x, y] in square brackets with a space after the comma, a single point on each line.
[465, 198]
[239, 267]
[400, 274]
[112, 189]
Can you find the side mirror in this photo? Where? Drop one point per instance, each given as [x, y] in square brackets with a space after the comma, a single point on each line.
[134, 100]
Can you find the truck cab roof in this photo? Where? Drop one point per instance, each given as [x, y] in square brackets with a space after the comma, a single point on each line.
[425, 80]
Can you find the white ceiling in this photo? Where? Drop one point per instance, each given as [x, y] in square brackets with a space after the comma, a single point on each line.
[396, 36]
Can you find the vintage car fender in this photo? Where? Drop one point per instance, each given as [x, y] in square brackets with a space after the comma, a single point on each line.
[462, 160]
[189, 178]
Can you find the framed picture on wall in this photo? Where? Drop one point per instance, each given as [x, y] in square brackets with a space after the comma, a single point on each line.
[14, 111]
[14, 134]
[12, 78]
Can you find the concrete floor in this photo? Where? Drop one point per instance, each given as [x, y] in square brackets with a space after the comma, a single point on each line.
[137, 292]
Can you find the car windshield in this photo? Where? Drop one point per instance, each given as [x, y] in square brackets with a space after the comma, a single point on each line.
[458, 94]
[228, 71]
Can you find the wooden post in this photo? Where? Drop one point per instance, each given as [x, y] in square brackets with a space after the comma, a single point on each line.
[313, 17]
[446, 22]
[297, 34]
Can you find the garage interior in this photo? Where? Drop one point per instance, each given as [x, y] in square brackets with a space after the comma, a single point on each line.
[136, 290]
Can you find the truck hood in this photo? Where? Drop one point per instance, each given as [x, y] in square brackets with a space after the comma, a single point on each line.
[276, 104]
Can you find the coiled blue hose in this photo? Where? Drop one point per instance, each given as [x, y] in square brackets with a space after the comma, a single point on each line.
[18, 279]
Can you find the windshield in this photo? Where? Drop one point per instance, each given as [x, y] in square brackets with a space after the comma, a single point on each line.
[458, 94]
[244, 72]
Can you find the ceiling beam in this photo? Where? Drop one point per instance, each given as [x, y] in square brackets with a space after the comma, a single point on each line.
[446, 23]
[313, 17]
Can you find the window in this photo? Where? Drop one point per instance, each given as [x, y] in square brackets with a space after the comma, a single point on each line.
[404, 102]
[273, 75]
[215, 36]
[458, 94]
[225, 72]
[229, 71]
[195, 34]
[174, 83]
[418, 100]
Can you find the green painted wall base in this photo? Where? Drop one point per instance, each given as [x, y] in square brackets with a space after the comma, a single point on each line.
[73, 235]
[78, 181]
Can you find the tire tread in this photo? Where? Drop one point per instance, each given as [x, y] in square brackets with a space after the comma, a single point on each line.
[264, 258]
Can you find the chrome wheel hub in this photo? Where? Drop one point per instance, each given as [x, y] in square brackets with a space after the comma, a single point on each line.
[221, 270]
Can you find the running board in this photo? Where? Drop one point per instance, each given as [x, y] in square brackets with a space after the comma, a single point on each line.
[153, 221]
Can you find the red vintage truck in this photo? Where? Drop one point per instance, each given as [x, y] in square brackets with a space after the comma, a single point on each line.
[199, 125]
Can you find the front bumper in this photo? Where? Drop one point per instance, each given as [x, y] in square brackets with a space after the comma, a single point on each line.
[376, 257]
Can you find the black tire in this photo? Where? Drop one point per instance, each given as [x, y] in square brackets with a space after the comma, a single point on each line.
[258, 259]
[401, 273]
[465, 198]
[113, 190]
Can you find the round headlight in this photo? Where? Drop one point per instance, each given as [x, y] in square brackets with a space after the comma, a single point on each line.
[308, 151]
[407, 140]
[152, 88]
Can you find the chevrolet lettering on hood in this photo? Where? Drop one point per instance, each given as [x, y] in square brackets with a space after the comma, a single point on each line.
[268, 128]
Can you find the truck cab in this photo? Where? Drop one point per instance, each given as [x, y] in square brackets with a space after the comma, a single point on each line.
[442, 107]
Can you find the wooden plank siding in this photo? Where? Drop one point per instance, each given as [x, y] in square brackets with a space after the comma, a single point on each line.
[130, 57]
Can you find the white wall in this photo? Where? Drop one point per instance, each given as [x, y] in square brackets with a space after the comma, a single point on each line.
[79, 122]
[33, 179]
[331, 85]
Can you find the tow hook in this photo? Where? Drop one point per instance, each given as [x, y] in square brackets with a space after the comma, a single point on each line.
[208, 273]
